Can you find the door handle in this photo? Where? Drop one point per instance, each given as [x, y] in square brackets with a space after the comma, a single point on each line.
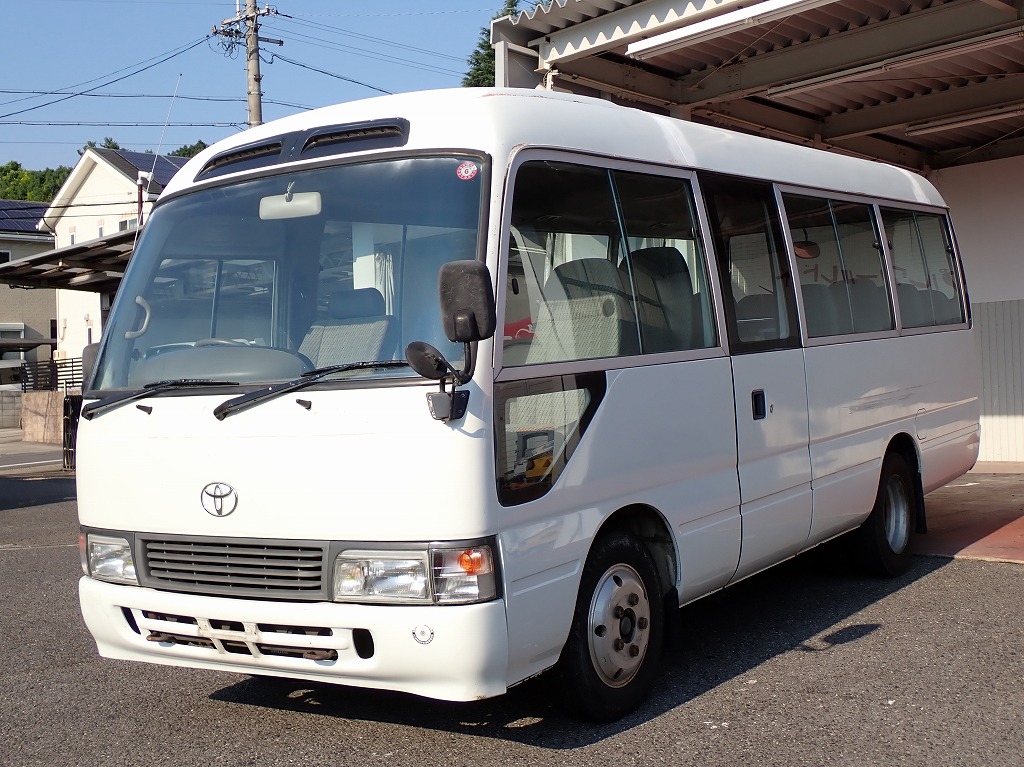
[758, 405]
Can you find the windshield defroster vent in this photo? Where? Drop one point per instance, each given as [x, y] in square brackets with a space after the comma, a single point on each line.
[303, 145]
[243, 158]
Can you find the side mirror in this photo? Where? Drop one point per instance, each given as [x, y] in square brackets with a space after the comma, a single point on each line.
[89, 354]
[467, 301]
[428, 361]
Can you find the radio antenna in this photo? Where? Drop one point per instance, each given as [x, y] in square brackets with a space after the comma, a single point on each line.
[156, 156]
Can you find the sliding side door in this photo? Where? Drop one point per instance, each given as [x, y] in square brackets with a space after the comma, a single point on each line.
[768, 371]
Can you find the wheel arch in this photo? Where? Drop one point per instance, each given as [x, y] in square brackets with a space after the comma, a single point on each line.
[648, 525]
[906, 447]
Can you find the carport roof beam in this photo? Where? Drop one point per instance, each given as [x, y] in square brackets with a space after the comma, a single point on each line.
[734, 21]
[927, 56]
[964, 121]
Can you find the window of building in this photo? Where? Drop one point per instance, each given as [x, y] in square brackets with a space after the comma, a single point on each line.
[5, 256]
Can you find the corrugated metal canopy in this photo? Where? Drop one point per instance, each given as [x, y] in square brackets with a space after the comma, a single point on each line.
[924, 84]
[95, 266]
[24, 344]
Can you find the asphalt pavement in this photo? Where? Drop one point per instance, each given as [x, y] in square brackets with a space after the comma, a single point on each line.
[18, 456]
[810, 663]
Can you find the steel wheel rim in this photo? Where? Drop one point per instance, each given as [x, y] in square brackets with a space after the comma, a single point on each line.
[619, 624]
[897, 514]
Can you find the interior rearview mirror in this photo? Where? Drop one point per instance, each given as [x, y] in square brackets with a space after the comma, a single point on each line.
[290, 205]
[467, 301]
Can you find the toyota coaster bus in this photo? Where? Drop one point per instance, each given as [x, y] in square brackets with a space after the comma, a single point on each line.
[439, 391]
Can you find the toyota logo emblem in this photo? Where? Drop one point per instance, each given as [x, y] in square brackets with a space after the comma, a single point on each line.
[219, 499]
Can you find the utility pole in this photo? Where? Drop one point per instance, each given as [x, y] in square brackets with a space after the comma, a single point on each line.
[245, 26]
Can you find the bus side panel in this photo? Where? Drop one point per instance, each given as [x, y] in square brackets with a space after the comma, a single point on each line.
[663, 436]
[863, 393]
[950, 433]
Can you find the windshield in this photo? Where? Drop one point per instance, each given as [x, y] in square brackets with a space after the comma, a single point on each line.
[263, 280]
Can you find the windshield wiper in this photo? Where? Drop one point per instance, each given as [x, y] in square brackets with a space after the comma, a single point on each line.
[100, 406]
[310, 377]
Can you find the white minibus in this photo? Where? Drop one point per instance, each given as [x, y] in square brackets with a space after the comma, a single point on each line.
[439, 391]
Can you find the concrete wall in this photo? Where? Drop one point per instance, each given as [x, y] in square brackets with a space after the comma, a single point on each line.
[42, 417]
[985, 202]
[10, 409]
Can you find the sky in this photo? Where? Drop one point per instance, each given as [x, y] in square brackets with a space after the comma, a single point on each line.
[149, 74]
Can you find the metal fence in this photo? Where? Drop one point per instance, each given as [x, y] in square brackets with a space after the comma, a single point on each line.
[72, 409]
[51, 375]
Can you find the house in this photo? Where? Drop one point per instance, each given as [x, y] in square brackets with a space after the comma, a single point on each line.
[26, 316]
[109, 193]
[92, 223]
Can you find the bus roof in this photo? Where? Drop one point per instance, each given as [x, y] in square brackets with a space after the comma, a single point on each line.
[499, 121]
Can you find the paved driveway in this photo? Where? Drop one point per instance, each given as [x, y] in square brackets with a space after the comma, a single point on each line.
[807, 664]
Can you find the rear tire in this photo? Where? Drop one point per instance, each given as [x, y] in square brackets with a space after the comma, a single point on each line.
[610, 659]
[885, 535]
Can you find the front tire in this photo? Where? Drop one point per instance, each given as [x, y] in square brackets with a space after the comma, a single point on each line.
[610, 659]
[885, 535]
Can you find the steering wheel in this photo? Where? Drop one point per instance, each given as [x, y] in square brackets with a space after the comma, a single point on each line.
[219, 342]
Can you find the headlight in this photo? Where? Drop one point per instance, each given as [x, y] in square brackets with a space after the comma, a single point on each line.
[381, 576]
[110, 559]
[457, 575]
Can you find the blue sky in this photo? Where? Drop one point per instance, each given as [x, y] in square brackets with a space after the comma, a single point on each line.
[53, 48]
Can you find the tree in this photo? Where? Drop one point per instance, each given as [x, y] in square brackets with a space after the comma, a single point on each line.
[17, 183]
[108, 143]
[481, 60]
[189, 151]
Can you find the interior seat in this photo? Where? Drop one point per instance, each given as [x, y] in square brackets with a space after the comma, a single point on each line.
[357, 329]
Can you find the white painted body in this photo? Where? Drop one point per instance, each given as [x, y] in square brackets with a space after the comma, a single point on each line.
[369, 465]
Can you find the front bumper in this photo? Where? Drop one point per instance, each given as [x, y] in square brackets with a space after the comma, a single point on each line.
[450, 653]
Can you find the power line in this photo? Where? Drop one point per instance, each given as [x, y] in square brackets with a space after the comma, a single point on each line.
[86, 94]
[285, 59]
[364, 53]
[370, 38]
[112, 124]
[59, 91]
[109, 82]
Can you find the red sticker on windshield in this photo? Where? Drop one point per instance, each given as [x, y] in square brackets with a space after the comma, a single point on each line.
[467, 171]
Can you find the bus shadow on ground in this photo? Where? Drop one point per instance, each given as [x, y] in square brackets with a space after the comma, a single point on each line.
[724, 636]
[18, 492]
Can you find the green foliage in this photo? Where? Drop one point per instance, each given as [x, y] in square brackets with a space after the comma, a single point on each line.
[189, 150]
[481, 60]
[17, 183]
[108, 143]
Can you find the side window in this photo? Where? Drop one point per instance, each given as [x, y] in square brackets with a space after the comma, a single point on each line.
[842, 275]
[566, 299]
[540, 422]
[927, 279]
[664, 266]
[757, 286]
[603, 264]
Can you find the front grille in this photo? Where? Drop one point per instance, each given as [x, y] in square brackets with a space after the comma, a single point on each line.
[320, 644]
[232, 567]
